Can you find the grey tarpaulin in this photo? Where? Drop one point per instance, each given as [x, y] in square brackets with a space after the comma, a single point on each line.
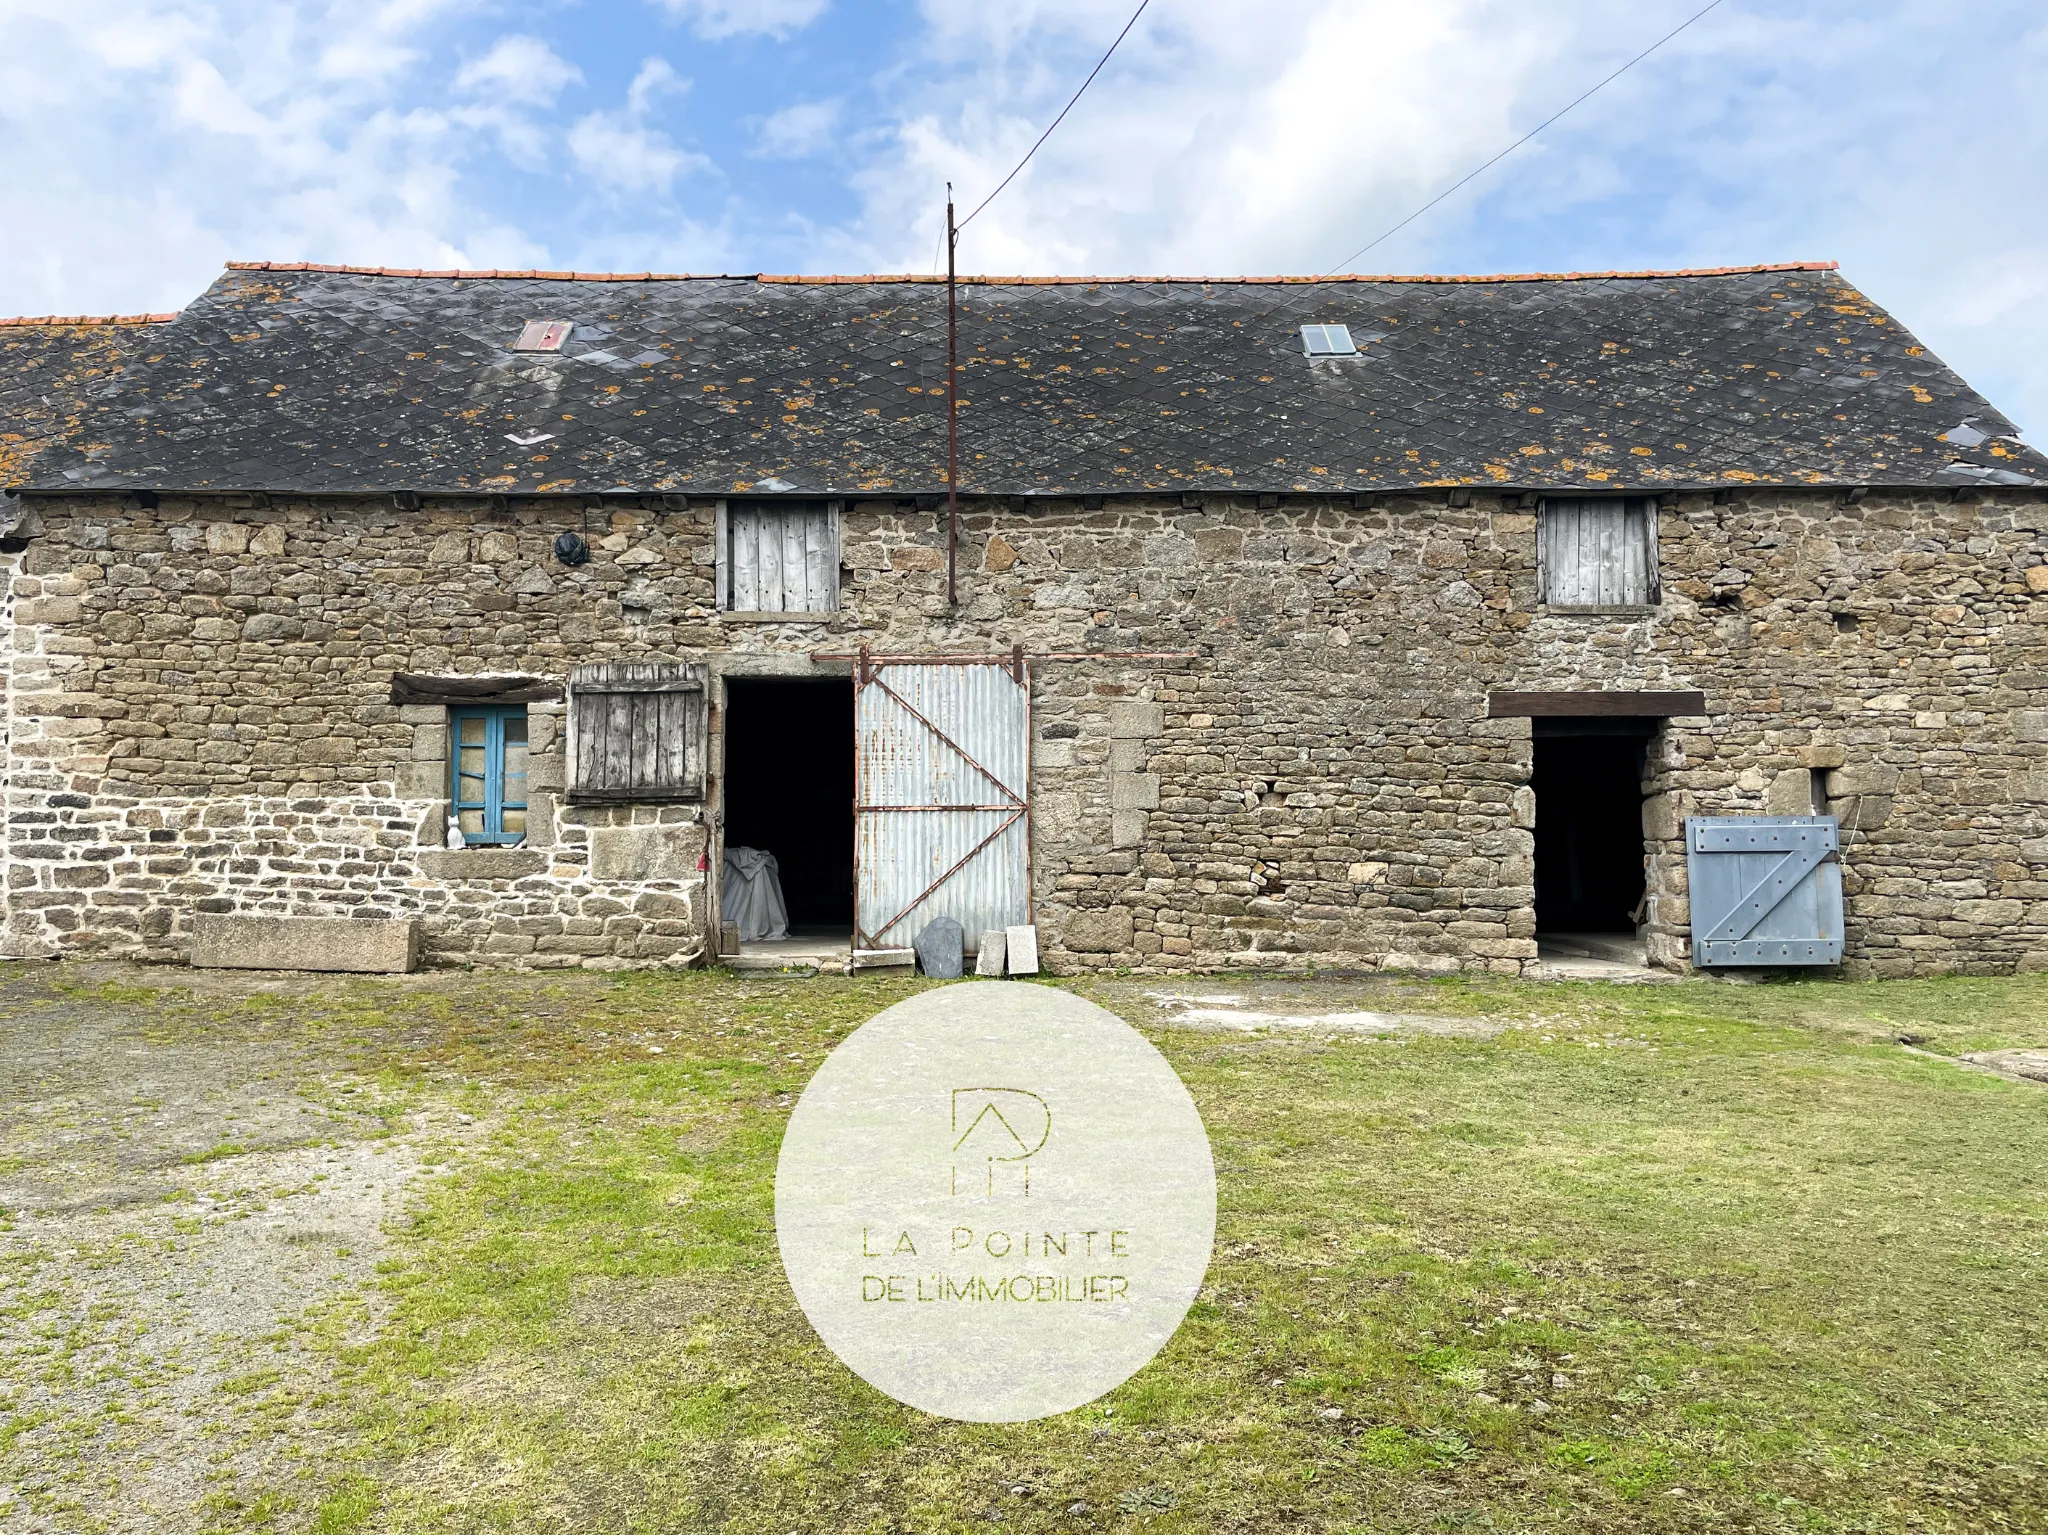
[753, 895]
[409, 688]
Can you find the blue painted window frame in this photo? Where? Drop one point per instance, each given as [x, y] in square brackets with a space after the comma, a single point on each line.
[500, 792]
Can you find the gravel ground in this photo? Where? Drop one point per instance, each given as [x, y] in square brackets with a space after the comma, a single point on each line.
[189, 1189]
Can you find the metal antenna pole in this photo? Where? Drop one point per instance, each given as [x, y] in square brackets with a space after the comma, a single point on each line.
[952, 411]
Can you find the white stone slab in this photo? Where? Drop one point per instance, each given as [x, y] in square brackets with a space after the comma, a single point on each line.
[883, 959]
[995, 945]
[365, 946]
[1022, 943]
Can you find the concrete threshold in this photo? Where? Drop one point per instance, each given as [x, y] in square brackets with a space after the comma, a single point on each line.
[798, 954]
[1618, 957]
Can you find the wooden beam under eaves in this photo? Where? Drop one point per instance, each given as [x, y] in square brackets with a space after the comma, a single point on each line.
[1594, 703]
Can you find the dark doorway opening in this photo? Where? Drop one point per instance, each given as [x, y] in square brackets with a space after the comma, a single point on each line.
[789, 789]
[1589, 824]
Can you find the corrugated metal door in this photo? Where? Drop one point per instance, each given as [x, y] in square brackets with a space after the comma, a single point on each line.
[1599, 552]
[942, 762]
[1765, 890]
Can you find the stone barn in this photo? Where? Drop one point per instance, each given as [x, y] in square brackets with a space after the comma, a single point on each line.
[1352, 624]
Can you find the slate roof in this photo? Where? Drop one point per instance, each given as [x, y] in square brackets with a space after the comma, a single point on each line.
[324, 379]
[51, 368]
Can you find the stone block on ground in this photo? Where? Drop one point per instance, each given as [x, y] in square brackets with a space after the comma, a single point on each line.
[994, 952]
[1021, 945]
[364, 946]
[941, 949]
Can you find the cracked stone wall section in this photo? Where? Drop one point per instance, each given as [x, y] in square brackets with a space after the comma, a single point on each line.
[198, 711]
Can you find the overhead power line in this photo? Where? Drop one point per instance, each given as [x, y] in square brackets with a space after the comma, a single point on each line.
[1064, 111]
[953, 315]
[1518, 143]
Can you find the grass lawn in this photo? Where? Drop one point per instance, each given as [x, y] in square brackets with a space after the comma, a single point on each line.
[1686, 1257]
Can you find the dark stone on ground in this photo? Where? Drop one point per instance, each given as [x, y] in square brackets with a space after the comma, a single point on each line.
[942, 949]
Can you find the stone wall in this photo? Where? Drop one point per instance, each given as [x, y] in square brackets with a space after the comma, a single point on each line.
[198, 720]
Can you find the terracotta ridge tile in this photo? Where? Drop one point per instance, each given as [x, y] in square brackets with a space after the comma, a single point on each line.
[789, 279]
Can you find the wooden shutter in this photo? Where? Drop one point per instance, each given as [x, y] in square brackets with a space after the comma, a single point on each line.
[636, 732]
[1764, 889]
[779, 557]
[1598, 552]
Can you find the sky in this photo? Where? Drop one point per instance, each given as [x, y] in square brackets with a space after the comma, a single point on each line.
[145, 142]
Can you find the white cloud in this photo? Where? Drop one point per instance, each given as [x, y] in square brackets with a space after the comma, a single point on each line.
[732, 18]
[1226, 138]
[370, 42]
[509, 88]
[655, 77]
[1223, 137]
[620, 150]
[800, 130]
[136, 41]
[519, 69]
[205, 100]
[175, 134]
[621, 153]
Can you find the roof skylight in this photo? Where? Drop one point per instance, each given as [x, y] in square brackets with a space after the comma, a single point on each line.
[1327, 341]
[543, 336]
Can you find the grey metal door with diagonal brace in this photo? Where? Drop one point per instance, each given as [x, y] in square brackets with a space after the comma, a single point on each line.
[942, 783]
[1765, 890]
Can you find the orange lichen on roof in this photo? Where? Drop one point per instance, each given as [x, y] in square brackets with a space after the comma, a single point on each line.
[49, 364]
[88, 320]
[790, 279]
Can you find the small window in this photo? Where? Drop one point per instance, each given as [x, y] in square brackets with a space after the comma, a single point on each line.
[779, 557]
[1598, 552]
[637, 732]
[489, 774]
[543, 336]
[1327, 341]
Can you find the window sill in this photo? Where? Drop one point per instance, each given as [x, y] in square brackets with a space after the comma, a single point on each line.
[482, 862]
[1600, 609]
[776, 618]
[642, 796]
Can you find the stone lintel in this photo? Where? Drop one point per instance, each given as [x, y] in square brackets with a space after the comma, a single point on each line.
[366, 946]
[482, 862]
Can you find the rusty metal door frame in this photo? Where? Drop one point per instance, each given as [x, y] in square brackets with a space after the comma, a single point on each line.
[867, 673]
